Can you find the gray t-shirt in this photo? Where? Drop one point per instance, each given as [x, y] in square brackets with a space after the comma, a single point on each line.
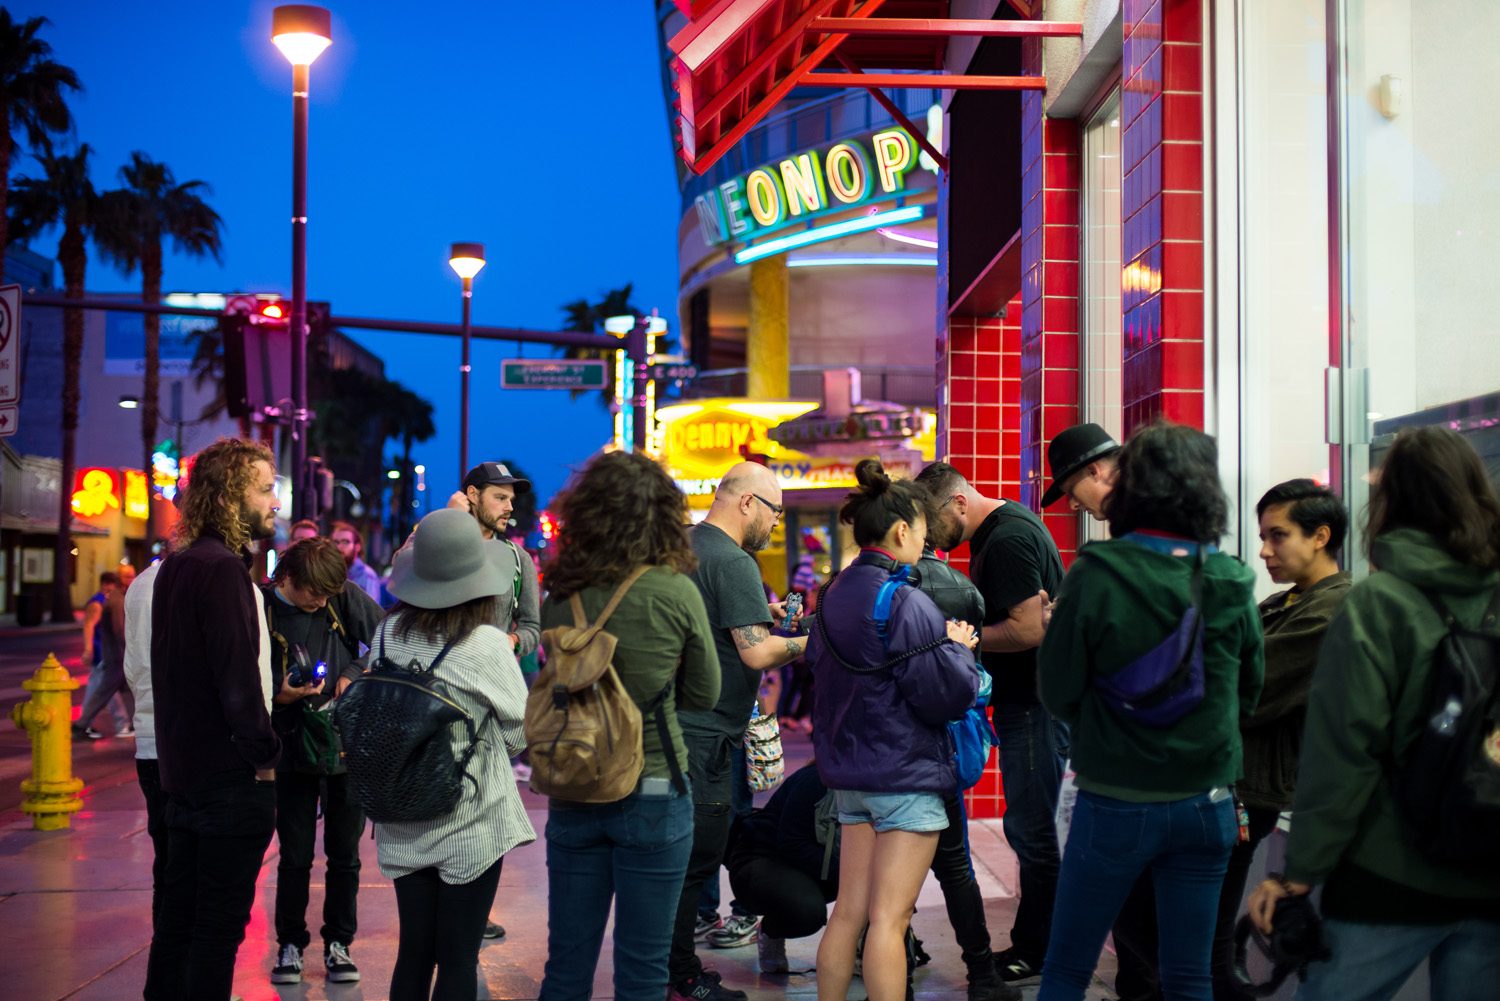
[729, 580]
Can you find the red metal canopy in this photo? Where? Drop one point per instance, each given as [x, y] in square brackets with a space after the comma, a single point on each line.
[737, 59]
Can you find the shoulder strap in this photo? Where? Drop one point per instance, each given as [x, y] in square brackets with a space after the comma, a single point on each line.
[435, 661]
[581, 621]
[882, 612]
[337, 625]
[664, 734]
[1196, 587]
[1486, 621]
[516, 583]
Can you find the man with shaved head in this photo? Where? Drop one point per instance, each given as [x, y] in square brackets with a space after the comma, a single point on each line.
[744, 513]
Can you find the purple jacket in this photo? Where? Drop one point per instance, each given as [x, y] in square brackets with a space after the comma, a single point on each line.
[885, 731]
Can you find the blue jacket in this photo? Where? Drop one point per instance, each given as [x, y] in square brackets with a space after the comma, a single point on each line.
[885, 731]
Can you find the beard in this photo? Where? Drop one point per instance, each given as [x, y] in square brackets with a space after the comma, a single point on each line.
[494, 526]
[258, 526]
[757, 537]
[946, 533]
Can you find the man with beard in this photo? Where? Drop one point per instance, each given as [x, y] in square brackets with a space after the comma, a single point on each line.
[489, 494]
[216, 749]
[352, 549]
[744, 512]
[1012, 559]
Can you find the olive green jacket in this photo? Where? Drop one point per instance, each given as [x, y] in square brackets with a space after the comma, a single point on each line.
[1366, 708]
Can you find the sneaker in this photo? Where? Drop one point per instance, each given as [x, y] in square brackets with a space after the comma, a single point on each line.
[1016, 971]
[93, 734]
[773, 954]
[341, 969]
[706, 925]
[128, 732]
[288, 968]
[494, 931]
[706, 986]
[522, 771]
[987, 986]
[739, 930]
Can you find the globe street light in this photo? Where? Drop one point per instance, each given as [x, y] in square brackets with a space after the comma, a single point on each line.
[466, 259]
[301, 32]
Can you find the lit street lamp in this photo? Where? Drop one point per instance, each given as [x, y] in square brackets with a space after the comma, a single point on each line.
[301, 32]
[466, 260]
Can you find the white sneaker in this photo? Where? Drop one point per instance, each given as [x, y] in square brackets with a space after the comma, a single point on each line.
[288, 968]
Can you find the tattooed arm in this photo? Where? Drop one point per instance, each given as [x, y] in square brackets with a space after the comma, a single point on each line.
[760, 651]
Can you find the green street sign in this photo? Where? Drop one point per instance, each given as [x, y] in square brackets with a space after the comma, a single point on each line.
[546, 373]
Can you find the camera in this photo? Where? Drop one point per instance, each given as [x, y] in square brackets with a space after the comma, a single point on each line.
[304, 671]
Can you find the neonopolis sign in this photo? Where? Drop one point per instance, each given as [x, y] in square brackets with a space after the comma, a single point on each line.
[828, 179]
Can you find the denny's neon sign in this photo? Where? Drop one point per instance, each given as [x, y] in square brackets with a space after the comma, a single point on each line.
[829, 179]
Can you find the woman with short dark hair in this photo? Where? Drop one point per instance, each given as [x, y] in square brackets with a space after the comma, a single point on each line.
[1433, 535]
[1156, 740]
[447, 869]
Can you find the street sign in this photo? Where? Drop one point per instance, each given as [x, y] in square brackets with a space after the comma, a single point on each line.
[10, 421]
[10, 346]
[671, 370]
[547, 373]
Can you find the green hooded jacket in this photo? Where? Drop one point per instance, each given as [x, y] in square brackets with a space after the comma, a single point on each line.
[1119, 601]
[1367, 706]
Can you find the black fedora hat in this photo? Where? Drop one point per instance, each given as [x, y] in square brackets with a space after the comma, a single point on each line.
[1071, 451]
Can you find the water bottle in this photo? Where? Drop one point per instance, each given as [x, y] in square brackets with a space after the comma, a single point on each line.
[1446, 722]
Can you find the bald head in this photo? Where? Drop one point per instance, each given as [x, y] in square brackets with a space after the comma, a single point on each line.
[747, 505]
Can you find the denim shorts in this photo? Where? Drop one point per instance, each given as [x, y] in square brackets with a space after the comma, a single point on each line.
[921, 812]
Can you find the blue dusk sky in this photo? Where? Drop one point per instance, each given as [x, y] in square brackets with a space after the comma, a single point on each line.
[538, 129]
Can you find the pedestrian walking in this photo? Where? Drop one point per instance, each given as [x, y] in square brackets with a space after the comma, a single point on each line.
[211, 694]
[447, 870]
[1433, 532]
[104, 654]
[624, 513]
[1153, 658]
[880, 731]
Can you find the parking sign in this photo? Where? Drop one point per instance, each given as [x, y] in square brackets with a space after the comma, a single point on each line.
[10, 344]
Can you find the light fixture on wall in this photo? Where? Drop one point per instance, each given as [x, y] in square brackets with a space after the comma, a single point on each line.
[129, 402]
[1392, 92]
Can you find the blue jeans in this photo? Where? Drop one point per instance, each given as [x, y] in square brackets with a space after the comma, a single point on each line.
[1032, 752]
[634, 852]
[1371, 962]
[1185, 844]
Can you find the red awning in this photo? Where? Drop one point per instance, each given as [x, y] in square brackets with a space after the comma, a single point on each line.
[737, 59]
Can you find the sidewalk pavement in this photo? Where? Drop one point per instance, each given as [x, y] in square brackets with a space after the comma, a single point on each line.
[76, 906]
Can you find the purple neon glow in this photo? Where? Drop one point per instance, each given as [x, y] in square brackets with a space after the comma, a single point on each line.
[900, 237]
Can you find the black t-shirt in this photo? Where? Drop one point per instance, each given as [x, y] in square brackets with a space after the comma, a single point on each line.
[729, 579]
[1011, 557]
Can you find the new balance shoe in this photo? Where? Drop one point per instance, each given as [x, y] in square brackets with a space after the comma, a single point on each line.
[739, 930]
[1017, 971]
[772, 954]
[705, 925]
[706, 986]
[288, 968]
[341, 969]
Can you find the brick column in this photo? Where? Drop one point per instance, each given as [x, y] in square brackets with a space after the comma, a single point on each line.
[1162, 208]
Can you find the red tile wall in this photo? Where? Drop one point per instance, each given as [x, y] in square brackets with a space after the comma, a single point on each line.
[1162, 208]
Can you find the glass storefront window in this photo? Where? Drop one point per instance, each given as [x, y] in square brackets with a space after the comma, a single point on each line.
[1100, 213]
[1419, 206]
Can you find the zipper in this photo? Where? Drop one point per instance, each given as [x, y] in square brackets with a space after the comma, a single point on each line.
[426, 688]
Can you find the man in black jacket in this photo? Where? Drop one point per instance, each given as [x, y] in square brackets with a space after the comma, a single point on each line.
[315, 615]
[211, 679]
[957, 598]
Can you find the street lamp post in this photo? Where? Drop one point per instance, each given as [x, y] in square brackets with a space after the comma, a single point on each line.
[301, 32]
[466, 260]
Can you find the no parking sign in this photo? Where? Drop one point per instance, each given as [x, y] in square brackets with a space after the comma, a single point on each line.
[10, 359]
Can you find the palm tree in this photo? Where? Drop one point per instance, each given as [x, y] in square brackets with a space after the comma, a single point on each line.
[150, 208]
[588, 317]
[31, 97]
[63, 194]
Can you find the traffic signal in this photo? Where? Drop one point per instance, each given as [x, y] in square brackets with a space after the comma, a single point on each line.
[271, 311]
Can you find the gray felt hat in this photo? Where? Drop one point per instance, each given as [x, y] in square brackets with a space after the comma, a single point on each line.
[445, 564]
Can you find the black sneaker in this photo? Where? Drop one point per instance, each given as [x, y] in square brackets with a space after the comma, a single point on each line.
[288, 968]
[706, 986]
[992, 988]
[493, 931]
[341, 969]
[1017, 971]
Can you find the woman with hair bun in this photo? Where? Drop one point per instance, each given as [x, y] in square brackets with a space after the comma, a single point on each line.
[891, 674]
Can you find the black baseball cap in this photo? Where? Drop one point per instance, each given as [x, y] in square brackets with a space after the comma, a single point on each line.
[494, 474]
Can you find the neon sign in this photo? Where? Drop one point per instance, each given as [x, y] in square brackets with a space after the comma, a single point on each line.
[807, 185]
[95, 491]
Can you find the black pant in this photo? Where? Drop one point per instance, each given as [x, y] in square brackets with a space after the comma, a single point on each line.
[442, 926]
[216, 841]
[1135, 927]
[709, 760]
[296, 832]
[149, 776]
[955, 873]
[792, 903]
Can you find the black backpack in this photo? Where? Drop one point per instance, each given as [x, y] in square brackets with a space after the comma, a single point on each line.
[1448, 788]
[394, 722]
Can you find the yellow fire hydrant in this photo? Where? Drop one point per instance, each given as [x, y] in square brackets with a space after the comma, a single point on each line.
[52, 791]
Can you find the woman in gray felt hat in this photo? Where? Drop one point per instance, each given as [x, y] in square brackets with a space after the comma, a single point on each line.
[447, 870]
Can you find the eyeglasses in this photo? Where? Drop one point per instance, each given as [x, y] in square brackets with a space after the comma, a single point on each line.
[776, 509]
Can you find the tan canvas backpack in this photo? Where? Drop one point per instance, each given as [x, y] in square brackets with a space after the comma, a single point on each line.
[583, 730]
